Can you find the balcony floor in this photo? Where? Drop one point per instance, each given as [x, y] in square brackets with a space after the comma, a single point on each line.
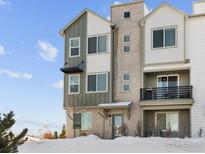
[166, 102]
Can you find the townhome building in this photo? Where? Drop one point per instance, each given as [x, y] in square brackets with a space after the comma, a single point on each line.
[141, 73]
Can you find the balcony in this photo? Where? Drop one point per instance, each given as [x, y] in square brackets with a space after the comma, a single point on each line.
[179, 92]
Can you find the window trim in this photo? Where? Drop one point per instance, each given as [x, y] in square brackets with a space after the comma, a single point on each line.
[158, 76]
[70, 39]
[124, 91]
[164, 28]
[167, 112]
[107, 44]
[105, 91]
[73, 93]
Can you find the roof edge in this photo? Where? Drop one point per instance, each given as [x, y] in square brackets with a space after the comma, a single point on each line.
[129, 3]
[61, 32]
[161, 5]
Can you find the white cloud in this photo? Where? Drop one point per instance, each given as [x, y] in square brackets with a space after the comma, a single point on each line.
[47, 51]
[4, 2]
[108, 17]
[117, 2]
[58, 84]
[13, 74]
[2, 50]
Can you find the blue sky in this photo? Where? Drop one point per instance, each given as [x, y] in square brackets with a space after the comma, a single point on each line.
[31, 53]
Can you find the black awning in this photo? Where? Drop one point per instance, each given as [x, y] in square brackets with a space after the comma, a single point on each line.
[71, 70]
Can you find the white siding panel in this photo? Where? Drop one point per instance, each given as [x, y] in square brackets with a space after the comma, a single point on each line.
[97, 25]
[199, 7]
[98, 63]
[195, 46]
[164, 17]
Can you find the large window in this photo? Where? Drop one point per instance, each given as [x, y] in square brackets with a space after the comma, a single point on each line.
[167, 120]
[97, 44]
[74, 84]
[97, 82]
[74, 50]
[164, 37]
[82, 120]
[171, 80]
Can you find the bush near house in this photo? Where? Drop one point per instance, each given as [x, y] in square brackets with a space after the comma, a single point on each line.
[48, 135]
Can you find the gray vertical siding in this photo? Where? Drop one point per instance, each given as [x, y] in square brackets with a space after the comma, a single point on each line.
[184, 122]
[79, 29]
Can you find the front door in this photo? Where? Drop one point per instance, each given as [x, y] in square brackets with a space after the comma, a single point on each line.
[117, 125]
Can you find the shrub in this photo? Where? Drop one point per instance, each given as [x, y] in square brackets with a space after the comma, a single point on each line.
[63, 132]
[48, 135]
[55, 135]
[83, 133]
[139, 129]
[124, 129]
[200, 132]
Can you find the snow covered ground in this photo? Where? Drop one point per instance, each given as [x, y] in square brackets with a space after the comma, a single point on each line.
[92, 143]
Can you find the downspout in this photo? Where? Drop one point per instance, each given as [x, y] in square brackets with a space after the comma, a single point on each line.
[142, 26]
[113, 29]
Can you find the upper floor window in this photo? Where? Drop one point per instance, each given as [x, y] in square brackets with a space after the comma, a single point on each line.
[164, 37]
[74, 84]
[126, 38]
[126, 76]
[97, 44]
[97, 82]
[126, 14]
[74, 50]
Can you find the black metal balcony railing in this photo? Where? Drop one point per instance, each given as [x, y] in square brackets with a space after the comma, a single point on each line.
[180, 92]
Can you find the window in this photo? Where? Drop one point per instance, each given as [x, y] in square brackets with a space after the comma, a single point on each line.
[86, 120]
[126, 76]
[126, 48]
[74, 45]
[168, 80]
[77, 121]
[97, 82]
[74, 84]
[126, 14]
[97, 44]
[172, 121]
[82, 120]
[165, 37]
[125, 87]
[126, 38]
[167, 120]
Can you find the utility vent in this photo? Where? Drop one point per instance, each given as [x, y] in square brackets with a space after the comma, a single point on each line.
[198, 7]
